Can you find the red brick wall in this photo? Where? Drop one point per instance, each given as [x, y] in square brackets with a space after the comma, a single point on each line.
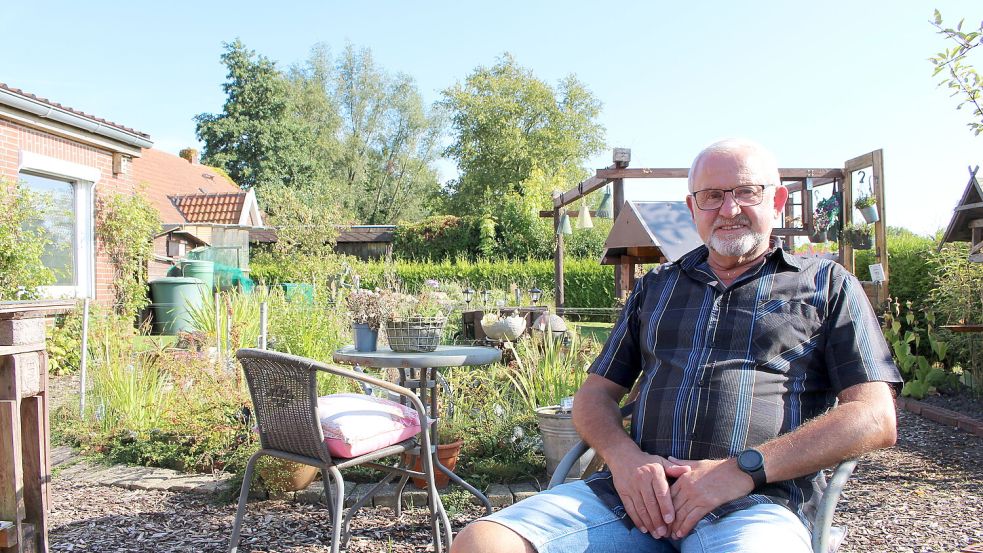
[15, 137]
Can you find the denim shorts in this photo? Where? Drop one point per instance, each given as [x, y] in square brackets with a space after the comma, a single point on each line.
[570, 518]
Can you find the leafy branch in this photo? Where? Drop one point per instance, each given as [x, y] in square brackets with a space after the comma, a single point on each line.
[962, 78]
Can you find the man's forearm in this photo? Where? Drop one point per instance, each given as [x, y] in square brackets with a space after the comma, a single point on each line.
[862, 423]
[599, 422]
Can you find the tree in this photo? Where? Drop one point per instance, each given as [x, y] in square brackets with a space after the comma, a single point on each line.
[507, 123]
[259, 139]
[959, 76]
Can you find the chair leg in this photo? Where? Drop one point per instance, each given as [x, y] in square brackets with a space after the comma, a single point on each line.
[243, 496]
[438, 515]
[399, 494]
[329, 501]
[336, 511]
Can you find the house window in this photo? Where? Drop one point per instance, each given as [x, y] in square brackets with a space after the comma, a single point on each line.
[68, 220]
[59, 223]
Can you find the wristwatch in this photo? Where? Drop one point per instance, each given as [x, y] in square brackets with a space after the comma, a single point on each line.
[752, 462]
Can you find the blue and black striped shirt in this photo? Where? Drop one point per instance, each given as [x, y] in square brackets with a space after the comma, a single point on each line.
[722, 369]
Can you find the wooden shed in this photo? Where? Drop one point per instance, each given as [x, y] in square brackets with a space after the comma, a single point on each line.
[648, 232]
[966, 224]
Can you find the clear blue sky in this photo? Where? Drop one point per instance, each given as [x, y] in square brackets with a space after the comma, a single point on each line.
[817, 82]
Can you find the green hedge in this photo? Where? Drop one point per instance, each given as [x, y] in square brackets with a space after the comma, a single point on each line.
[587, 283]
[909, 257]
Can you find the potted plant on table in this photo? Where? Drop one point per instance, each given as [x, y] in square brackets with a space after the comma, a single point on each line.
[416, 323]
[366, 310]
[867, 204]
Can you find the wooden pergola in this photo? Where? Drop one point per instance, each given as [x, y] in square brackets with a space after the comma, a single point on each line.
[801, 182]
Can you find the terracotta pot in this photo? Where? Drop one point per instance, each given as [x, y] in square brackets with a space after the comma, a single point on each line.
[448, 454]
[281, 475]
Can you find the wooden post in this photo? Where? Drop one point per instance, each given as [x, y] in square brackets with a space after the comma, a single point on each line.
[620, 270]
[880, 227]
[11, 472]
[558, 260]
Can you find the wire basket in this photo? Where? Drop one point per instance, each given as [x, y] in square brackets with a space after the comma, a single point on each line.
[416, 334]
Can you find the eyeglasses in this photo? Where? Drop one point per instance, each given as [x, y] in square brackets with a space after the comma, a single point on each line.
[746, 196]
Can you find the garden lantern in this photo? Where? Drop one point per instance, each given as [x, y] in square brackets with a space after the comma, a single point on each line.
[468, 295]
[484, 295]
[564, 226]
[584, 221]
[518, 296]
[604, 210]
[535, 294]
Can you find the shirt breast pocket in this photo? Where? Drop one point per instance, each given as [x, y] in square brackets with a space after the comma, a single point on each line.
[784, 331]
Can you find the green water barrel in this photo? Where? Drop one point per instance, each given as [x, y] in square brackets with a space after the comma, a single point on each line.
[203, 270]
[173, 298]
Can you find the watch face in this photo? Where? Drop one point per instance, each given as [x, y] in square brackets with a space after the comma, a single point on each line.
[750, 459]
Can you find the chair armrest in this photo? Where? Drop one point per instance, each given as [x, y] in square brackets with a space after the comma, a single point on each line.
[576, 452]
[831, 496]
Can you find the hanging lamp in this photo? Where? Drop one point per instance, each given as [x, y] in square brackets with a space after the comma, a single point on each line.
[604, 210]
[584, 220]
[564, 226]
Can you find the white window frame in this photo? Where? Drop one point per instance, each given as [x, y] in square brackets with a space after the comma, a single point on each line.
[84, 180]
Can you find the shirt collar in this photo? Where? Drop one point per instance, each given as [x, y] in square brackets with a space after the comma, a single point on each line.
[699, 255]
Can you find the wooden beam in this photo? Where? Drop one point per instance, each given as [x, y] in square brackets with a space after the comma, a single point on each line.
[36, 475]
[976, 223]
[11, 475]
[582, 189]
[571, 212]
[640, 173]
[977, 205]
[683, 172]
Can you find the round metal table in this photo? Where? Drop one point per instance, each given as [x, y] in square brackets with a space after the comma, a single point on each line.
[418, 372]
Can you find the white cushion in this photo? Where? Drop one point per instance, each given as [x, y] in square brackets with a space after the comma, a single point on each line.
[355, 424]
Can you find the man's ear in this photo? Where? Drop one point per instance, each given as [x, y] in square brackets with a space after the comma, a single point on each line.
[781, 196]
[689, 204]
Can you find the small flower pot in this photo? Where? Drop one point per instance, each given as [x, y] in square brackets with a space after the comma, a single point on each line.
[366, 339]
[818, 237]
[447, 454]
[870, 214]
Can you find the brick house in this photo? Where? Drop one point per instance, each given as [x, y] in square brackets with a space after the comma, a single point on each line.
[77, 158]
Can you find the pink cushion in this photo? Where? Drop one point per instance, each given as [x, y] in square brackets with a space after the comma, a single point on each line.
[355, 424]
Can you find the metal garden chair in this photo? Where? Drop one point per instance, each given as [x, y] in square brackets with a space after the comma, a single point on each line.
[285, 402]
[826, 538]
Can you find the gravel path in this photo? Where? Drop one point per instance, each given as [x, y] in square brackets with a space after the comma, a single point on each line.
[923, 495]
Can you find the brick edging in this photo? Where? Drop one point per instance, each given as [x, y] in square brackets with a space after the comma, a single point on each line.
[942, 415]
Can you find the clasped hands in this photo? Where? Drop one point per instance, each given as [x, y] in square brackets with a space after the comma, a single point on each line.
[672, 510]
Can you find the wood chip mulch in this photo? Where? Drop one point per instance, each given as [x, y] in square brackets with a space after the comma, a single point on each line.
[924, 495]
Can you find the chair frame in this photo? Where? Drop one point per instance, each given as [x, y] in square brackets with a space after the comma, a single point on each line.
[297, 436]
[825, 538]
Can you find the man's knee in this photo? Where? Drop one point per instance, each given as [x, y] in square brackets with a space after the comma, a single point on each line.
[488, 537]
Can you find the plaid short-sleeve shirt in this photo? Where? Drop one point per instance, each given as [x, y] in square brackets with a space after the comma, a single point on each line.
[722, 369]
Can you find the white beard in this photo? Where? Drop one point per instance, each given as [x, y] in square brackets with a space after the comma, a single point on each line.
[736, 247]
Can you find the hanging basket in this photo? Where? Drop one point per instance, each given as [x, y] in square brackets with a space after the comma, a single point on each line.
[870, 214]
[416, 334]
[860, 241]
[818, 237]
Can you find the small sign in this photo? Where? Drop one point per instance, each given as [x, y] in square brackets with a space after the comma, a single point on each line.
[877, 272]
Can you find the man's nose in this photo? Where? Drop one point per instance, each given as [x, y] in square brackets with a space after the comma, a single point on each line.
[729, 208]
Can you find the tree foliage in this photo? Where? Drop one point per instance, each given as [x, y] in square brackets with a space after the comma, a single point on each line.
[343, 129]
[22, 243]
[258, 139]
[959, 76]
[507, 123]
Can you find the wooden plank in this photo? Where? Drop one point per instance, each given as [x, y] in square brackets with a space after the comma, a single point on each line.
[558, 260]
[976, 223]
[621, 280]
[880, 227]
[11, 475]
[846, 208]
[965, 207]
[573, 213]
[816, 173]
[34, 308]
[23, 348]
[858, 162]
[35, 465]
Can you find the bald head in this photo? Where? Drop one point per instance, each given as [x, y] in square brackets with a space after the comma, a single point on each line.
[757, 162]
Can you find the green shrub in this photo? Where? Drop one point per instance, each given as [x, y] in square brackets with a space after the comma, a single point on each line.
[439, 237]
[126, 226]
[22, 242]
[909, 260]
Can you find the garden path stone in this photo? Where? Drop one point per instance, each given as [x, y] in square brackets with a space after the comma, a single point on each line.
[498, 494]
[523, 491]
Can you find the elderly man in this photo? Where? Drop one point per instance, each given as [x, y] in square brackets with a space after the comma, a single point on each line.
[739, 351]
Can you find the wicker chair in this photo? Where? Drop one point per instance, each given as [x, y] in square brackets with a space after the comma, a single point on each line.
[826, 538]
[284, 393]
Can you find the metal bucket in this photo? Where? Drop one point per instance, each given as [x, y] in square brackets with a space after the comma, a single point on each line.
[559, 436]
